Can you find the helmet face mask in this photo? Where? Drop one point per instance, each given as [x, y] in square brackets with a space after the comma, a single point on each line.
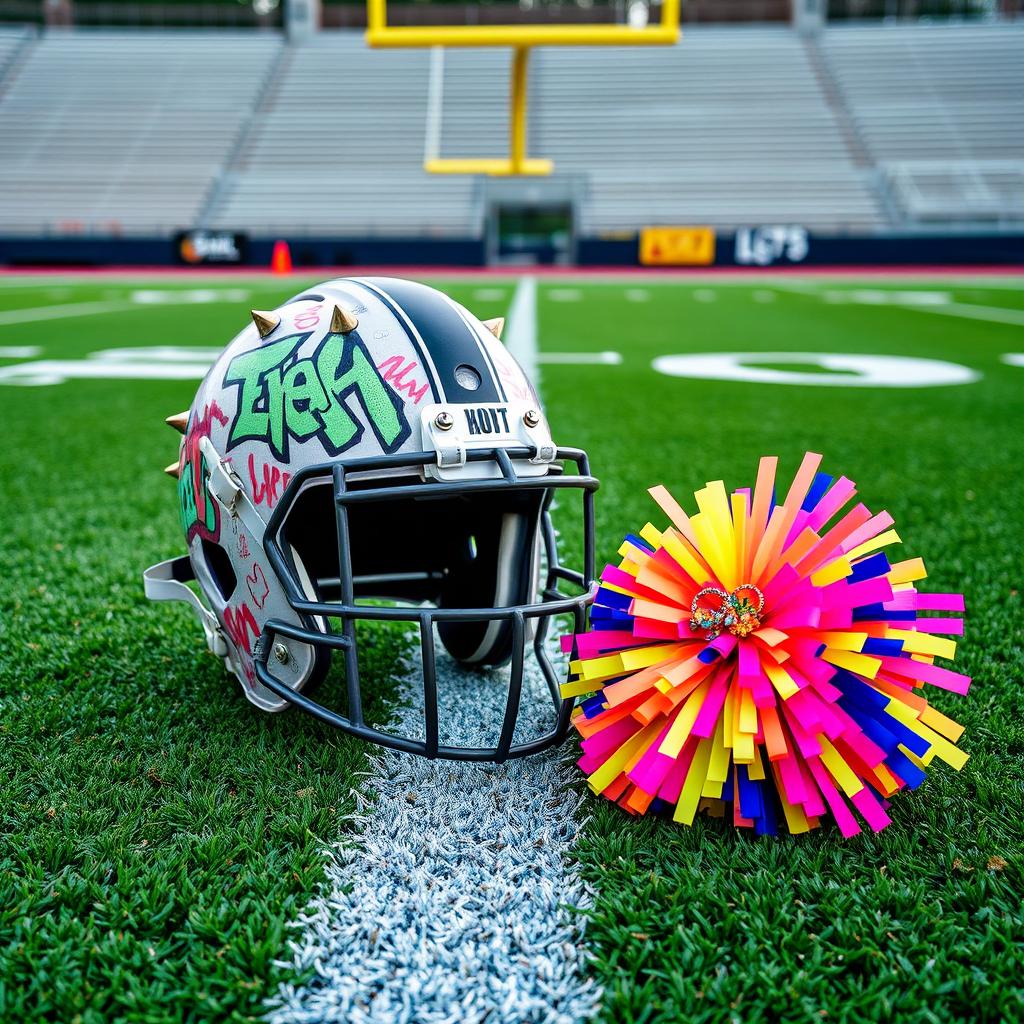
[321, 489]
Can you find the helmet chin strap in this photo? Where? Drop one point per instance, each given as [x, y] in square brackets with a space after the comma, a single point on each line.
[165, 581]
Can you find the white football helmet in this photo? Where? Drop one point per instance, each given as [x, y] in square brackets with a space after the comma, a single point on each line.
[367, 451]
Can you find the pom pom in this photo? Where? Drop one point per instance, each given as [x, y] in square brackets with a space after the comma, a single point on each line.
[755, 662]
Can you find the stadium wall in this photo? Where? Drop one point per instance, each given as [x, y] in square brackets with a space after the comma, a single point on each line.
[757, 247]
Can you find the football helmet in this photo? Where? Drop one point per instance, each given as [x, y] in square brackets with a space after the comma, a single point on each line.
[371, 451]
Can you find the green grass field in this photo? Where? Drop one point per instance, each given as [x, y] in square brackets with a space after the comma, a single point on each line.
[157, 832]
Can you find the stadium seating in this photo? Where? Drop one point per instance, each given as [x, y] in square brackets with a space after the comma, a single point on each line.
[729, 128]
[124, 132]
[940, 109]
[337, 148]
[860, 129]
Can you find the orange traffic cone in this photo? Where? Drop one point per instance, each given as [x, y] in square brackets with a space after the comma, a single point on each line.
[281, 260]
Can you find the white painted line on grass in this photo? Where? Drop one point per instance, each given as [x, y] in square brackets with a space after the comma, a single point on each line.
[705, 295]
[489, 294]
[638, 295]
[57, 371]
[885, 297]
[581, 358]
[19, 351]
[564, 294]
[1013, 358]
[187, 296]
[521, 332]
[844, 370]
[993, 314]
[938, 302]
[763, 295]
[454, 900]
[34, 313]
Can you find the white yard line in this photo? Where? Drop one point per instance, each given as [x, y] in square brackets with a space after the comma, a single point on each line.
[453, 902]
[69, 309]
[993, 314]
[581, 358]
[521, 333]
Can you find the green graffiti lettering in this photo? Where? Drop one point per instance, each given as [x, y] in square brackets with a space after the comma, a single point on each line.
[251, 370]
[305, 396]
[280, 399]
[188, 505]
[346, 368]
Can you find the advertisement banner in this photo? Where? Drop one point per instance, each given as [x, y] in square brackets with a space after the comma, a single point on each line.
[194, 248]
[684, 246]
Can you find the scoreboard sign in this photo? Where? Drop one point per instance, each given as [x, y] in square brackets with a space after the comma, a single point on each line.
[677, 246]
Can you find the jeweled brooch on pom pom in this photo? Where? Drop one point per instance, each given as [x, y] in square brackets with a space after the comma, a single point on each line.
[764, 661]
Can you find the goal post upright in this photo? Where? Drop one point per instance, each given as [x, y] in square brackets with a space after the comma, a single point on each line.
[522, 39]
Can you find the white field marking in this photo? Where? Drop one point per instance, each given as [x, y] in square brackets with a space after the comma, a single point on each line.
[159, 362]
[489, 294]
[188, 296]
[160, 354]
[849, 371]
[705, 295]
[885, 297]
[638, 295]
[763, 295]
[19, 351]
[563, 294]
[581, 358]
[993, 314]
[939, 302]
[521, 332]
[1013, 358]
[56, 371]
[27, 316]
[452, 902]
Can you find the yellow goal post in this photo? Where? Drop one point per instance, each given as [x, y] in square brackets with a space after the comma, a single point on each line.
[522, 39]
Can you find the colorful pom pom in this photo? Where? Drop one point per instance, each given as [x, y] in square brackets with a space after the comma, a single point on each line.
[754, 656]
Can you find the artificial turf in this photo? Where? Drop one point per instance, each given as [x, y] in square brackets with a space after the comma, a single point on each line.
[157, 832]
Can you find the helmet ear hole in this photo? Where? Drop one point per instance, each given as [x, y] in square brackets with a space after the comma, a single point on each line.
[500, 570]
[218, 564]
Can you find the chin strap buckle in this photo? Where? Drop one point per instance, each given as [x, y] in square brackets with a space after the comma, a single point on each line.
[224, 483]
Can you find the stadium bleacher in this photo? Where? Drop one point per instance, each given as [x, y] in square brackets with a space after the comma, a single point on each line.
[855, 130]
[337, 148]
[123, 132]
[940, 110]
[727, 128]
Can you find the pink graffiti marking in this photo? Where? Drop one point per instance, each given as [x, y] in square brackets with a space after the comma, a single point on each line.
[258, 586]
[273, 483]
[395, 372]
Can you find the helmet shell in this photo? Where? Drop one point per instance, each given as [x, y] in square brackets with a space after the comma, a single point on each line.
[305, 393]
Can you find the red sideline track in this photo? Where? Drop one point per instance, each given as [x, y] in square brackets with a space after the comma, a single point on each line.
[586, 273]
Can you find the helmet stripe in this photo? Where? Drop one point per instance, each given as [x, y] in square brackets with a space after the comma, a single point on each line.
[448, 337]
